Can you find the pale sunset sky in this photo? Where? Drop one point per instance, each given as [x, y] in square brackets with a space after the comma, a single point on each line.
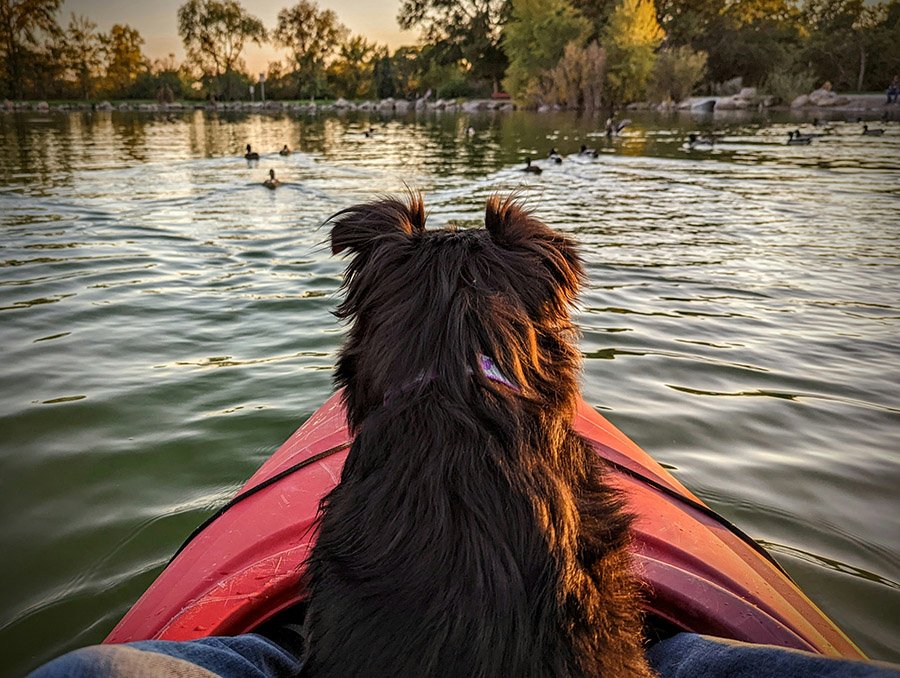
[156, 21]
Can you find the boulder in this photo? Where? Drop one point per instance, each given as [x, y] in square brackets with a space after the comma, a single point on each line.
[401, 105]
[800, 101]
[747, 93]
[104, 106]
[42, 106]
[386, 104]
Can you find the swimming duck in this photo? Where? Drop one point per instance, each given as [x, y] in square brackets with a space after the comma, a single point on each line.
[588, 152]
[534, 169]
[369, 132]
[284, 150]
[612, 127]
[797, 140]
[700, 143]
[250, 154]
[872, 132]
[271, 183]
[555, 156]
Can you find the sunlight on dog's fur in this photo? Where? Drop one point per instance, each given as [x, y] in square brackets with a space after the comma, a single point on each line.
[471, 533]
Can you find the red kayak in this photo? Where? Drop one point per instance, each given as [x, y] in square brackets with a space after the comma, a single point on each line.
[240, 568]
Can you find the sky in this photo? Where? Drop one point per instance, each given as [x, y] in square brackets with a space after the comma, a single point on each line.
[157, 24]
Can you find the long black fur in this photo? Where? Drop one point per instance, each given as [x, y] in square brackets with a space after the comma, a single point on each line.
[471, 533]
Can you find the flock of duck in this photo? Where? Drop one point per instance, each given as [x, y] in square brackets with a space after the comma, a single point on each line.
[693, 141]
[700, 141]
[271, 183]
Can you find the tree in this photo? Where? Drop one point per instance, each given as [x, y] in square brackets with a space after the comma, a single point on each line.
[845, 33]
[384, 79]
[21, 24]
[83, 52]
[124, 59]
[535, 38]
[351, 73]
[312, 36]
[214, 33]
[467, 31]
[630, 39]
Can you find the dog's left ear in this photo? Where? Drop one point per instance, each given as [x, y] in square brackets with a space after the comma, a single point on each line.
[361, 227]
[512, 227]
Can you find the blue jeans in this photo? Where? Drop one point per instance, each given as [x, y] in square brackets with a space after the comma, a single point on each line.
[685, 655]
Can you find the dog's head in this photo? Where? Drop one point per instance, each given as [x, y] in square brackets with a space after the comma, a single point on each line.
[427, 306]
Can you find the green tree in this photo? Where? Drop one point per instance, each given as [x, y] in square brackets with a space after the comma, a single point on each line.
[630, 39]
[125, 61]
[845, 34]
[535, 38]
[311, 36]
[468, 32]
[351, 73]
[384, 78]
[83, 53]
[214, 33]
[22, 23]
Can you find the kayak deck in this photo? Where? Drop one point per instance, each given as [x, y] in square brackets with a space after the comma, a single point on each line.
[703, 575]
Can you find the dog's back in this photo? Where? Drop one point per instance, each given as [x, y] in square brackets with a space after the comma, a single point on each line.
[471, 534]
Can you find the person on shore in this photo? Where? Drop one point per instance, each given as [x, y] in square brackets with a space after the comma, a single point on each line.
[893, 90]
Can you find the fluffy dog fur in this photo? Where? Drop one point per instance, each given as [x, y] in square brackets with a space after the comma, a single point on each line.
[471, 533]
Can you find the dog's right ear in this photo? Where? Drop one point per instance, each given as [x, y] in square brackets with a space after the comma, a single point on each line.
[360, 227]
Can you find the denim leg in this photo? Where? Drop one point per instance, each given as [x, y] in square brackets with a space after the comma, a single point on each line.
[687, 655]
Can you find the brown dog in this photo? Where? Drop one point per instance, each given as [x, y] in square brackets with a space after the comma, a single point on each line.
[471, 533]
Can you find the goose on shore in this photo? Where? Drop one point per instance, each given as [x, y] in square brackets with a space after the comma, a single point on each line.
[251, 154]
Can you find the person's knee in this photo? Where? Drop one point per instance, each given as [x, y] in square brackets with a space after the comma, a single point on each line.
[117, 661]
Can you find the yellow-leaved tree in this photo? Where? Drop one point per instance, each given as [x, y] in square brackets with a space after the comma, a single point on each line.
[630, 39]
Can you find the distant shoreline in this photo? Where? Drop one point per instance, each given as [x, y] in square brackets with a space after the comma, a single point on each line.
[870, 103]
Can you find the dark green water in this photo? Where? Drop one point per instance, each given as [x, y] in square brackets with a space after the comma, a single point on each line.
[165, 324]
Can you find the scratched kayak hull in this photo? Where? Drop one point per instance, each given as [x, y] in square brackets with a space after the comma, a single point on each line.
[241, 567]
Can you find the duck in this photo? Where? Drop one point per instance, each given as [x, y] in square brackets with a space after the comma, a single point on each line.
[284, 150]
[588, 152]
[614, 128]
[872, 132]
[271, 183]
[534, 169]
[369, 132]
[798, 140]
[698, 142]
[554, 156]
[250, 154]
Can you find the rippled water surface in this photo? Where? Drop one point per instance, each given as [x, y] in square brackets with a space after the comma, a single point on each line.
[165, 324]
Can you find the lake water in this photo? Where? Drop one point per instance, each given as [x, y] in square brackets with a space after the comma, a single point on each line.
[165, 323]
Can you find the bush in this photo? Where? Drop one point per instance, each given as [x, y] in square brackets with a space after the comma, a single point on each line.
[576, 81]
[788, 84]
[675, 74]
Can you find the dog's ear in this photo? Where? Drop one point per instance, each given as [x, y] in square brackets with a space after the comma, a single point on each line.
[360, 227]
[512, 227]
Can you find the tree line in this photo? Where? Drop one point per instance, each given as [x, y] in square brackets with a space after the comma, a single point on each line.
[574, 53]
